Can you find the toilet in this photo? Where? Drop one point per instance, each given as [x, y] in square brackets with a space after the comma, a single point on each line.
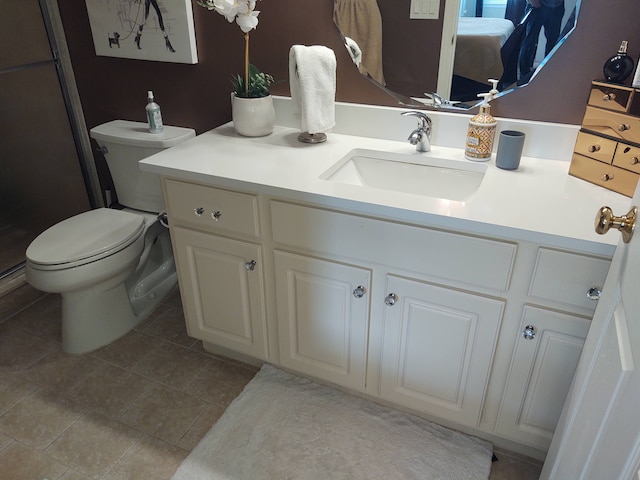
[112, 267]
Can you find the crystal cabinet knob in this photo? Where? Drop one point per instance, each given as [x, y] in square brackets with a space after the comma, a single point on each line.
[529, 332]
[250, 265]
[198, 211]
[359, 291]
[216, 215]
[391, 299]
[594, 293]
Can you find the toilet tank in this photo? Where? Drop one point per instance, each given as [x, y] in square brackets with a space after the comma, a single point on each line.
[124, 144]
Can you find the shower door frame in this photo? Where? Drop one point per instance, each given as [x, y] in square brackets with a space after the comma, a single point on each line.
[14, 276]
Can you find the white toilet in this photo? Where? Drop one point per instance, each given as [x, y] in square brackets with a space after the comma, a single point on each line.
[111, 267]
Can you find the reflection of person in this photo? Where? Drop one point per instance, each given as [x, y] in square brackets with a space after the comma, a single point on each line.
[147, 4]
[547, 14]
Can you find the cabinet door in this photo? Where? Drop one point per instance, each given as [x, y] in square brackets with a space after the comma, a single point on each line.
[323, 309]
[544, 361]
[437, 349]
[222, 291]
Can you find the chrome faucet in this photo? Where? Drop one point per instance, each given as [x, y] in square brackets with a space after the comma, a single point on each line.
[421, 136]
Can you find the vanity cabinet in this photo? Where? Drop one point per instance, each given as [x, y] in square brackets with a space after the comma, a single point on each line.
[220, 273]
[484, 333]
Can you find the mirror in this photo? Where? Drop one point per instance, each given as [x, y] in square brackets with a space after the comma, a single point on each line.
[455, 54]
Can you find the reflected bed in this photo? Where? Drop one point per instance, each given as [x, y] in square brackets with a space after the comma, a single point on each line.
[478, 47]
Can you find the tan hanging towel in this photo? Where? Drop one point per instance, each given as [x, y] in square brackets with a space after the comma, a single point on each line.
[360, 20]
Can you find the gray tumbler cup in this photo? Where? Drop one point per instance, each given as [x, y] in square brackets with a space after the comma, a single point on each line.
[509, 149]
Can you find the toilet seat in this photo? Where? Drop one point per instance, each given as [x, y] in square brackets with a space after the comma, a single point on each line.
[84, 238]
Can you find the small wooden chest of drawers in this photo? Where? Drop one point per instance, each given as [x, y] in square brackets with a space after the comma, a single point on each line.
[607, 150]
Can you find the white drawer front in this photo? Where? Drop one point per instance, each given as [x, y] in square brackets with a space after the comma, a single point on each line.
[566, 277]
[459, 258]
[211, 209]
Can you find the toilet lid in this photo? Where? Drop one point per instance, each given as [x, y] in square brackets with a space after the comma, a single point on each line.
[88, 236]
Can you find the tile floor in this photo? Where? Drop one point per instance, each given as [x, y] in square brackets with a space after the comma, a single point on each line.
[131, 410]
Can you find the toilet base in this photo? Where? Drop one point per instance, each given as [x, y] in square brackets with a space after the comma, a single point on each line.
[93, 318]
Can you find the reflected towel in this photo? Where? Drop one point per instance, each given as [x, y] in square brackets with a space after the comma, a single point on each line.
[312, 79]
[360, 20]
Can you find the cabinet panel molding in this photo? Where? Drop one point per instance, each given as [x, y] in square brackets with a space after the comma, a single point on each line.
[437, 348]
[540, 375]
[565, 277]
[323, 323]
[460, 258]
[212, 209]
[223, 300]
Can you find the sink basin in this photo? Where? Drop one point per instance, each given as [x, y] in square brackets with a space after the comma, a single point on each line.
[416, 174]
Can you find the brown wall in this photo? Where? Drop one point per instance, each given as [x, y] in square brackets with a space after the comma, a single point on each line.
[418, 40]
[197, 95]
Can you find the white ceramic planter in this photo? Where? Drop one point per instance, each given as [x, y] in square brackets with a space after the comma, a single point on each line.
[253, 117]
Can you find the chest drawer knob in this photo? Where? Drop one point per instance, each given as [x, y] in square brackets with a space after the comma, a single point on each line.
[529, 332]
[623, 127]
[606, 177]
[594, 293]
[594, 148]
[609, 97]
[634, 161]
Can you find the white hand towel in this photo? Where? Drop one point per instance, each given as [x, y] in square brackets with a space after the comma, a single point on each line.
[312, 79]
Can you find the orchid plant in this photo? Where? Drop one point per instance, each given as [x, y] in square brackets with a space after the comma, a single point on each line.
[254, 83]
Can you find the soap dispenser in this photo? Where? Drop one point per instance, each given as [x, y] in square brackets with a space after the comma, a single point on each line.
[482, 130]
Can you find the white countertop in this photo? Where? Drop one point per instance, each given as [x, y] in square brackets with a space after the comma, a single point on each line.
[539, 202]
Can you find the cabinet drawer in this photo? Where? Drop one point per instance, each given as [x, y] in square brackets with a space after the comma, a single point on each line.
[607, 176]
[564, 277]
[627, 157]
[615, 125]
[445, 255]
[593, 146]
[211, 209]
[610, 97]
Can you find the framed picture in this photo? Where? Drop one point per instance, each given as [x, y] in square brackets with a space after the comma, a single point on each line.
[160, 30]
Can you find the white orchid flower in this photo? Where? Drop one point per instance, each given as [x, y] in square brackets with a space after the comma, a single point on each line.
[247, 21]
[242, 11]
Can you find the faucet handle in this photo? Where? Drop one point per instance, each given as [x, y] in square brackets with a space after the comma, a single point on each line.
[424, 121]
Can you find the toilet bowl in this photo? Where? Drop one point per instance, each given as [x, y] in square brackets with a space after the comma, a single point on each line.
[112, 267]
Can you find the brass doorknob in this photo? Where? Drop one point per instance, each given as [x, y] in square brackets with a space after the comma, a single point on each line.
[605, 219]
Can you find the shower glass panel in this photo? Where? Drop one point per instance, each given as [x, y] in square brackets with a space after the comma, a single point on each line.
[41, 181]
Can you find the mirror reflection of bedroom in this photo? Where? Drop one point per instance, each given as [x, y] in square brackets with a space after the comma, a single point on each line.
[505, 40]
